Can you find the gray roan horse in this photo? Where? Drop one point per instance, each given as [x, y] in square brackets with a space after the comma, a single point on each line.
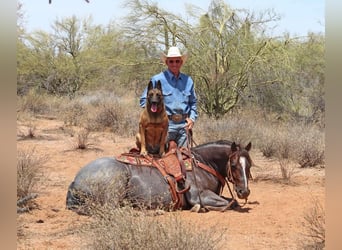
[146, 186]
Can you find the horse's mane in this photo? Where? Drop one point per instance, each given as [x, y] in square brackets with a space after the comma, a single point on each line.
[218, 142]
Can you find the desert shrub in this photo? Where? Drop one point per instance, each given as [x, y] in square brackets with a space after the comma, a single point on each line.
[300, 142]
[29, 173]
[287, 170]
[267, 144]
[33, 102]
[234, 127]
[314, 236]
[82, 139]
[108, 116]
[127, 228]
[29, 132]
[105, 116]
[285, 146]
[114, 117]
[120, 224]
[73, 113]
[102, 111]
[310, 147]
[96, 194]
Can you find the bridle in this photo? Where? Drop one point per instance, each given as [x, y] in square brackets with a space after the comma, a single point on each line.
[230, 176]
[229, 173]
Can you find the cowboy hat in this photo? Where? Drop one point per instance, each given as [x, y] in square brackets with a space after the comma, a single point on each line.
[173, 52]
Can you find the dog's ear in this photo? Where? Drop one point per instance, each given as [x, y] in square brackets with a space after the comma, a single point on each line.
[159, 85]
[150, 85]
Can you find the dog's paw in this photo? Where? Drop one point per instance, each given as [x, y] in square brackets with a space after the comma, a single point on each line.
[143, 153]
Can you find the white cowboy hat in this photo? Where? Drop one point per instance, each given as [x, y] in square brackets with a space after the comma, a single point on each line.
[173, 52]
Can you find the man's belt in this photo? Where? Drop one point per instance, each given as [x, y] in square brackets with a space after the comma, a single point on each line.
[177, 118]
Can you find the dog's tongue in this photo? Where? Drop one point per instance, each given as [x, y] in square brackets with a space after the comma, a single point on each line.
[154, 107]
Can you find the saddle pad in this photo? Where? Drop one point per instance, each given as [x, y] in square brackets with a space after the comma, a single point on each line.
[134, 159]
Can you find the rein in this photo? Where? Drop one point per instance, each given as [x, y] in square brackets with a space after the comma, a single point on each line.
[222, 180]
[193, 163]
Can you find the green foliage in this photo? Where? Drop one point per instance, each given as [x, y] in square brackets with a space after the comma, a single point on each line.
[298, 95]
[233, 62]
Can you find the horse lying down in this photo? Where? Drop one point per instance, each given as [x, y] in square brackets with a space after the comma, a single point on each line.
[108, 180]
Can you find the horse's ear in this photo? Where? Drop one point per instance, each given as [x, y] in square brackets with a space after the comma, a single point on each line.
[233, 147]
[150, 85]
[249, 146]
[159, 85]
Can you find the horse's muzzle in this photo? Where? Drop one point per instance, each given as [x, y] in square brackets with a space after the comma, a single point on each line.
[242, 193]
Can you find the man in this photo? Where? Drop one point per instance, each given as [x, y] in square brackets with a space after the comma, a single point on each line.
[179, 97]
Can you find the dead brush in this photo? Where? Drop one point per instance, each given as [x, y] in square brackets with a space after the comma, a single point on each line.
[129, 228]
[99, 195]
[29, 133]
[120, 224]
[29, 173]
[314, 227]
[82, 140]
[287, 170]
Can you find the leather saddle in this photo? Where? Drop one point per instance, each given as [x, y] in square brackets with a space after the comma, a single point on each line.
[174, 164]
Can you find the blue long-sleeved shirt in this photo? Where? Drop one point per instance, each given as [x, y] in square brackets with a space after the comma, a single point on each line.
[179, 94]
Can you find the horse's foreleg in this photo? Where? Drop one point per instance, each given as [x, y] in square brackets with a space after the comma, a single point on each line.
[210, 201]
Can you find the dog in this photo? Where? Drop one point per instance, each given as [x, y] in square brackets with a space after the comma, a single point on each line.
[153, 123]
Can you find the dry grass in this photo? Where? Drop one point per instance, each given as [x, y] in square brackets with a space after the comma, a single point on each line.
[101, 112]
[287, 170]
[29, 174]
[302, 143]
[28, 133]
[99, 192]
[36, 102]
[127, 228]
[120, 224]
[104, 111]
[82, 139]
[315, 227]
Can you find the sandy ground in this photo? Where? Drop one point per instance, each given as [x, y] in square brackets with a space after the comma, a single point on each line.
[273, 218]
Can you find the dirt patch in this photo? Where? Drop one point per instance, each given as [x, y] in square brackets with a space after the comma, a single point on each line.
[273, 217]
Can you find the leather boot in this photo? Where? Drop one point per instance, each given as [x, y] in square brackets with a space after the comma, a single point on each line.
[172, 146]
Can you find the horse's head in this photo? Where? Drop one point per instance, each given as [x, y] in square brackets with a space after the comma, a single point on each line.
[238, 169]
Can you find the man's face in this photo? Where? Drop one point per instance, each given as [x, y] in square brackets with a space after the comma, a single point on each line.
[174, 64]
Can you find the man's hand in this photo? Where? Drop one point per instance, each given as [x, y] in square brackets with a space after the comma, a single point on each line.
[189, 123]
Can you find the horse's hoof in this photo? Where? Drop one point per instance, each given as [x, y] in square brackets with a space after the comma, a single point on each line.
[203, 210]
[196, 208]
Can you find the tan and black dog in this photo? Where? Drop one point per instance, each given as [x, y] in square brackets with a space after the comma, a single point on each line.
[153, 124]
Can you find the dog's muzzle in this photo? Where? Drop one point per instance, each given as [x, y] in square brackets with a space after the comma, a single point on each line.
[177, 118]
